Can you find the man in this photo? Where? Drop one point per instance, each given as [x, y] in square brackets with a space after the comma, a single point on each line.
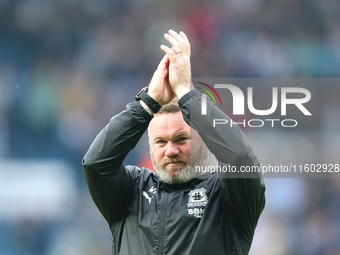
[176, 210]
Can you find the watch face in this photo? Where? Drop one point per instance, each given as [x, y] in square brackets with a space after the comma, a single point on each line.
[137, 97]
[139, 93]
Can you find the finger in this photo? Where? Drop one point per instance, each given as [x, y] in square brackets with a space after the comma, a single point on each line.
[173, 41]
[175, 35]
[184, 36]
[167, 61]
[163, 64]
[170, 53]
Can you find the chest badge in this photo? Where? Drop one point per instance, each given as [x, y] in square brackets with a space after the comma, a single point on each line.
[197, 202]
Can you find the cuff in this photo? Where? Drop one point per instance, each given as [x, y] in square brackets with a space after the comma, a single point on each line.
[187, 96]
[140, 109]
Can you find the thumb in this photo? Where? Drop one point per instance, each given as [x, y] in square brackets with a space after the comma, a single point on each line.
[164, 62]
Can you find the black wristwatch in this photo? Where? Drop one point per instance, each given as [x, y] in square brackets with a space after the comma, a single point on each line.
[148, 100]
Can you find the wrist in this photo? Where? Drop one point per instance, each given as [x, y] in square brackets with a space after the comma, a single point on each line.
[146, 108]
[147, 102]
[181, 92]
[154, 96]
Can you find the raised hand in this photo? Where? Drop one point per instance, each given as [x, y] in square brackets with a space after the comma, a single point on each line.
[179, 67]
[159, 88]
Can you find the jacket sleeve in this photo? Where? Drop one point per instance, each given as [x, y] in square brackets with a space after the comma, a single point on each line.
[243, 192]
[109, 182]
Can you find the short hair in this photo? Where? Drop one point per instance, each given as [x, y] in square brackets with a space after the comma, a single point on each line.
[171, 107]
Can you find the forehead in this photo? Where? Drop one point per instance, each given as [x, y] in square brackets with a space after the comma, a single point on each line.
[168, 124]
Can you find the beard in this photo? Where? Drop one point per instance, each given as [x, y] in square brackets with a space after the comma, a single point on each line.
[186, 169]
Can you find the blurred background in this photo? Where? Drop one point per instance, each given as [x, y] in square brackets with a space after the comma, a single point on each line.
[68, 66]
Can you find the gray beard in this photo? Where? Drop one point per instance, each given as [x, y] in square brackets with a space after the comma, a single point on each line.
[188, 172]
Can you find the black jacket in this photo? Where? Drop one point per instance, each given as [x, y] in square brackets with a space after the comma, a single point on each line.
[207, 215]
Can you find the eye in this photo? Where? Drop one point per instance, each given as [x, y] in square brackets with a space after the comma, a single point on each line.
[161, 142]
[181, 139]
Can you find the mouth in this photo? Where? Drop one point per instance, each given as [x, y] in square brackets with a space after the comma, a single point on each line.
[174, 164]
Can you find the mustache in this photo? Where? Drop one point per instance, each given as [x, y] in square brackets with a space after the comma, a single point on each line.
[173, 160]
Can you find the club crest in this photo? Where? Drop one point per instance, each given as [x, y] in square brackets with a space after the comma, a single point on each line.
[197, 202]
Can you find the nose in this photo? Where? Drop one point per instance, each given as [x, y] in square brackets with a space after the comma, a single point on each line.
[171, 150]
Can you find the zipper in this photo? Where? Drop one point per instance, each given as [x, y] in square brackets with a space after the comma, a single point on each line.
[162, 225]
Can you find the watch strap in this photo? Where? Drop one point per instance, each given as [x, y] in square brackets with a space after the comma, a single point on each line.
[148, 100]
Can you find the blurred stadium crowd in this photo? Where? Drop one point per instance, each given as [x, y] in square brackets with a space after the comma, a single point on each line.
[67, 66]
